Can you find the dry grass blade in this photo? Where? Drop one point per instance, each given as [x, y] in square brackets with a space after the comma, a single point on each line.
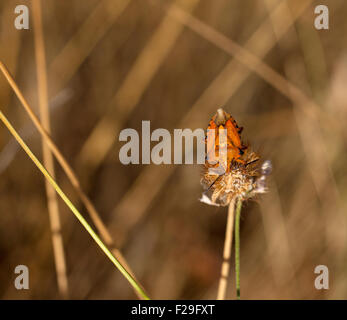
[52, 200]
[104, 233]
[9, 52]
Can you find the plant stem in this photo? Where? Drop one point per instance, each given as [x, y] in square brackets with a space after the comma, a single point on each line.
[224, 274]
[48, 161]
[237, 246]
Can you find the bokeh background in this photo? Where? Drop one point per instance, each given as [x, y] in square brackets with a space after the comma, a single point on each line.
[110, 65]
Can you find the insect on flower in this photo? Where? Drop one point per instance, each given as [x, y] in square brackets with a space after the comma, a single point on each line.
[232, 170]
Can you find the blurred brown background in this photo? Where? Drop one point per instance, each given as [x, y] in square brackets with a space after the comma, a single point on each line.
[112, 64]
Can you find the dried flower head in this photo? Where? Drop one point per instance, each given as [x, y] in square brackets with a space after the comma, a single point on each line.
[237, 173]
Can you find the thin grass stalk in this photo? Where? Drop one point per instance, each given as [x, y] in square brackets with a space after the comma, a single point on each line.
[52, 200]
[224, 275]
[137, 287]
[237, 247]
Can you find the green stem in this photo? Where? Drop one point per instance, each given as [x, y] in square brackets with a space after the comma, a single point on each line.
[237, 246]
